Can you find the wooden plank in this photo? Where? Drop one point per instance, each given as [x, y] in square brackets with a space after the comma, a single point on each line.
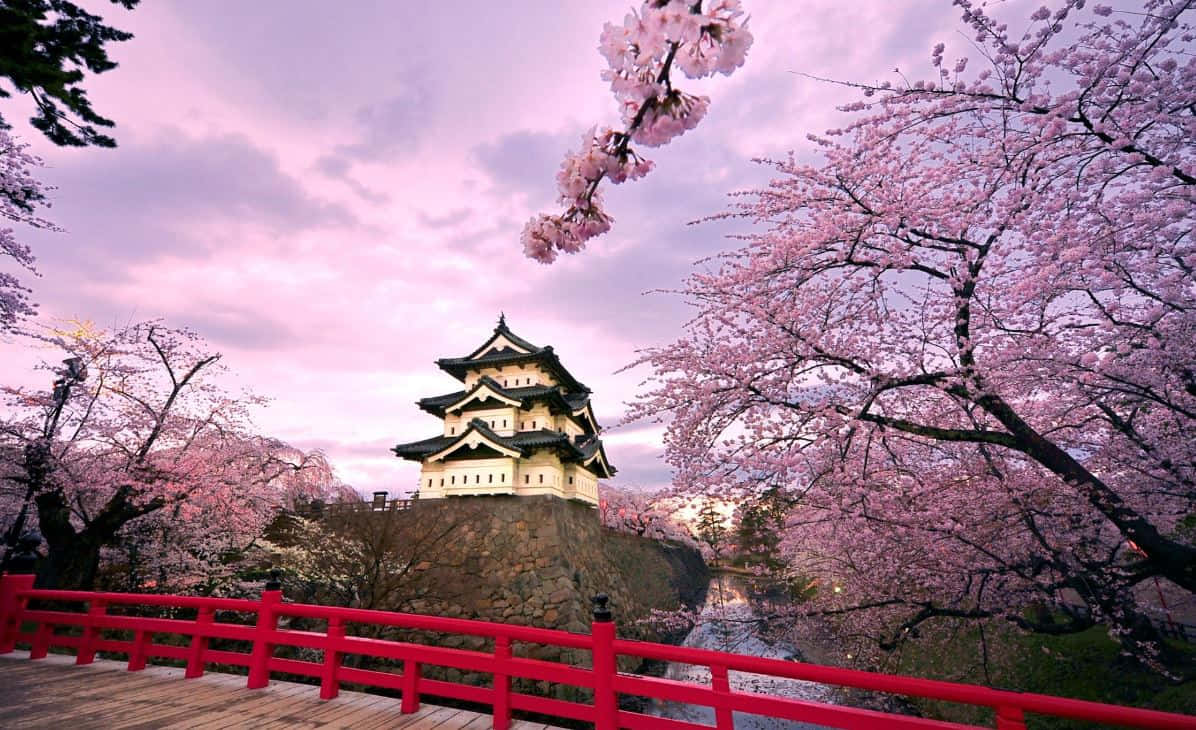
[395, 719]
[355, 710]
[261, 705]
[480, 722]
[392, 717]
[74, 699]
[55, 693]
[388, 717]
[214, 709]
[429, 721]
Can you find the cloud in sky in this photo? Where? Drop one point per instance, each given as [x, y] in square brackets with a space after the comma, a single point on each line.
[334, 199]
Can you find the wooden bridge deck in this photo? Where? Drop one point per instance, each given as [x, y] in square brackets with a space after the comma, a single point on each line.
[55, 693]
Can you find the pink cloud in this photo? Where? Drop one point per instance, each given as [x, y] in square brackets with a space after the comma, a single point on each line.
[334, 199]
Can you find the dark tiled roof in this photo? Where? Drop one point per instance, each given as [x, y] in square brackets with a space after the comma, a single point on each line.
[560, 402]
[523, 441]
[544, 356]
[577, 400]
[541, 437]
[440, 401]
[591, 446]
[504, 331]
[420, 449]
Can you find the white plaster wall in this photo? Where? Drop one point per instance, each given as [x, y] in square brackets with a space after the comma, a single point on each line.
[565, 424]
[506, 476]
[475, 476]
[455, 424]
[511, 376]
[584, 485]
[536, 418]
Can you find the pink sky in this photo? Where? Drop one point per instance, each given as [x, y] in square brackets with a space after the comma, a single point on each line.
[334, 199]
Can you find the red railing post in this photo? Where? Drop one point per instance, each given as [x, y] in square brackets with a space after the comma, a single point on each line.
[330, 686]
[720, 682]
[602, 633]
[41, 641]
[91, 632]
[11, 607]
[410, 689]
[138, 656]
[263, 649]
[502, 685]
[1010, 718]
[199, 644]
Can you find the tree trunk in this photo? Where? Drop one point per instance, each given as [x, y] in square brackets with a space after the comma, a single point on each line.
[73, 561]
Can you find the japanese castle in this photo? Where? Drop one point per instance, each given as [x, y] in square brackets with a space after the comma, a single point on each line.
[523, 425]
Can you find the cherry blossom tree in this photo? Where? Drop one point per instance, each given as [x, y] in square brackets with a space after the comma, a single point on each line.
[348, 556]
[633, 510]
[640, 54]
[149, 453]
[20, 194]
[961, 343]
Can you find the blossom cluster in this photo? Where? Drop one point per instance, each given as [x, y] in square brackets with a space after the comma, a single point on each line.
[640, 54]
[20, 192]
[985, 266]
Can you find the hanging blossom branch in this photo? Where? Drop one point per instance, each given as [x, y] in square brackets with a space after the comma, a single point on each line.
[20, 193]
[641, 53]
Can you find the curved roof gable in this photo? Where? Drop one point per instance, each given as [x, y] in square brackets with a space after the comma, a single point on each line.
[577, 405]
[486, 389]
[477, 433]
[503, 341]
[506, 348]
[594, 458]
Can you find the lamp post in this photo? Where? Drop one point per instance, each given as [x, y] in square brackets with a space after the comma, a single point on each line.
[37, 453]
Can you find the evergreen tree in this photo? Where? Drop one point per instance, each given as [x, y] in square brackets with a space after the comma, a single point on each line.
[45, 45]
[758, 527]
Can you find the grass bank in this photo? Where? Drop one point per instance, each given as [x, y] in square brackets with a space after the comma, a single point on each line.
[1084, 666]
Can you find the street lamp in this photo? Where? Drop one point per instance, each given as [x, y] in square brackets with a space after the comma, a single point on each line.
[37, 453]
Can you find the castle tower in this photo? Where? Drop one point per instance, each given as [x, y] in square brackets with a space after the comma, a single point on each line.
[522, 425]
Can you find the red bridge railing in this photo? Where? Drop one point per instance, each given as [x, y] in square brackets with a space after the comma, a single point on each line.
[25, 624]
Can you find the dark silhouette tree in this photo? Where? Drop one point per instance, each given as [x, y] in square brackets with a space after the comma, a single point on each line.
[45, 48]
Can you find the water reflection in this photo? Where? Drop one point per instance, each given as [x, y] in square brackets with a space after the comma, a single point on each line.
[730, 624]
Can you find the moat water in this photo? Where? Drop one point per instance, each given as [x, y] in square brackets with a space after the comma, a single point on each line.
[730, 624]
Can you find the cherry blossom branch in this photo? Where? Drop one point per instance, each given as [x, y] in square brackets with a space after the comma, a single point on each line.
[641, 55]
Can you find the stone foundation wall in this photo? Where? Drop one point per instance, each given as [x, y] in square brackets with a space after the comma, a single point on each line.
[537, 561]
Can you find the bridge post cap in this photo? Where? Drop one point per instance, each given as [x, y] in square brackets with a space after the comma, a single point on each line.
[24, 557]
[275, 582]
[602, 612]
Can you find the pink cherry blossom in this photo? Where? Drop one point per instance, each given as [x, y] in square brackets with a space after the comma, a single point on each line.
[20, 194]
[640, 55]
[961, 342]
[150, 455]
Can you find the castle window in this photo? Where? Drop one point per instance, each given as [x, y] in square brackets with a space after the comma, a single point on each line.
[454, 480]
[570, 480]
[502, 477]
[504, 423]
[541, 478]
[442, 481]
[526, 478]
[477, 478]
[429, 482]
[452, 430]
[491, 479]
